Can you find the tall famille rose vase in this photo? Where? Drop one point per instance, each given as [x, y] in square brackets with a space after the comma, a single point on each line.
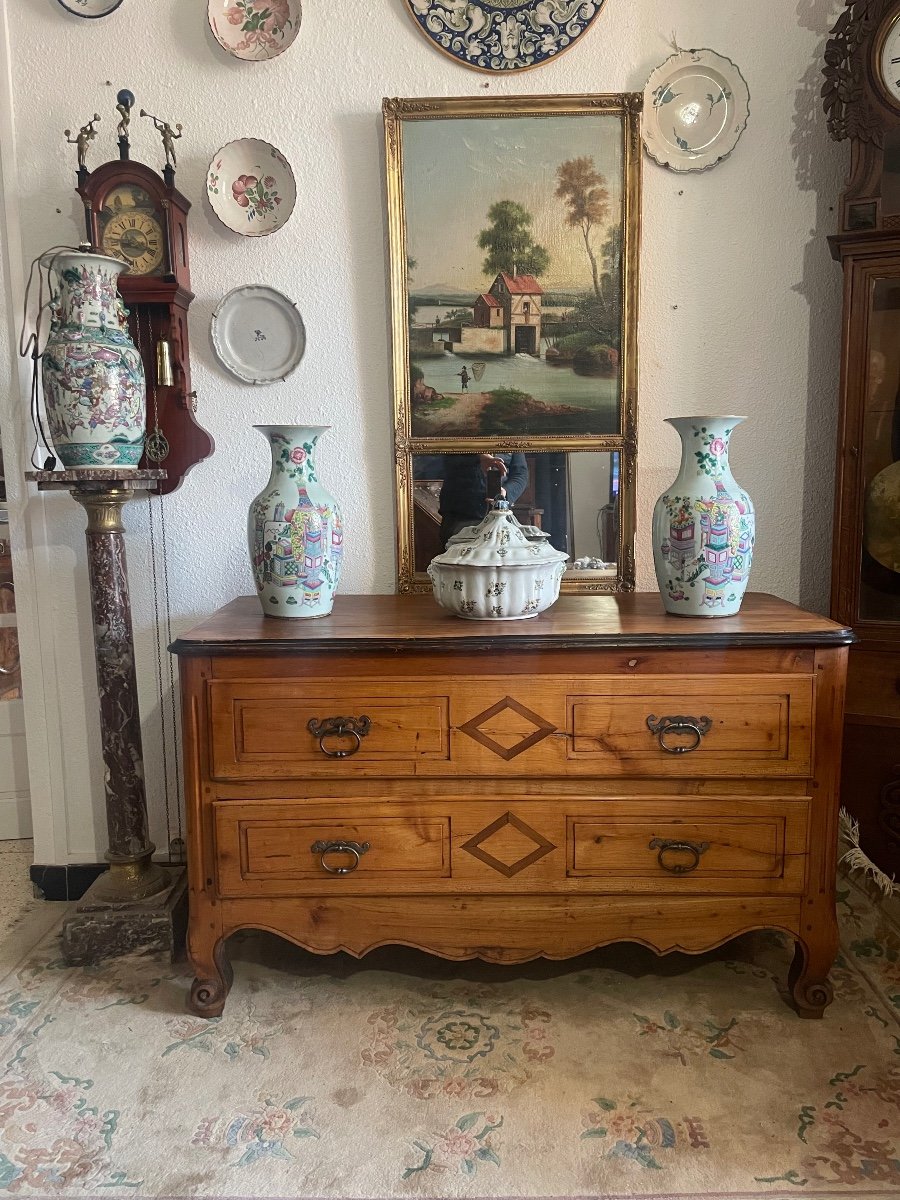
[704, 525]
[92, 373]
[295, 530]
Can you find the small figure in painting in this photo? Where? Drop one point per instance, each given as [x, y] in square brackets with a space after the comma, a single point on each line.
[169, 137]
[464, 378]
[83, 139]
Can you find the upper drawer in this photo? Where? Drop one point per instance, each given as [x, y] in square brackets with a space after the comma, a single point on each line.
[262, 730]
[696, 725]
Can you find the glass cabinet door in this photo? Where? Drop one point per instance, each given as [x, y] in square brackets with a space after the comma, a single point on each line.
[879, 592]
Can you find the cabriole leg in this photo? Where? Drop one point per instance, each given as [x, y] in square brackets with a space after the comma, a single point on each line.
[213, 978]
[808, 976]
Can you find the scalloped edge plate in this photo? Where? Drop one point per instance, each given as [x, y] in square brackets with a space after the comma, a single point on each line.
[680, 99]
[251, 187]
[92, 9]
[258, 334]
[262, 44]
[503, 37]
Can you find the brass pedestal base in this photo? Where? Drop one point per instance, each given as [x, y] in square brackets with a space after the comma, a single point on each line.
[105, 925]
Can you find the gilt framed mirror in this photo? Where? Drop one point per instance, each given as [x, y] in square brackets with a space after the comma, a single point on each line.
[514, 230]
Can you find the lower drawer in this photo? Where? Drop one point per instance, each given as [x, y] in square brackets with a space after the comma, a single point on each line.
[725, 846]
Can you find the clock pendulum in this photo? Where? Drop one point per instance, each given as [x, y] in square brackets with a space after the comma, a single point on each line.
[159, 373]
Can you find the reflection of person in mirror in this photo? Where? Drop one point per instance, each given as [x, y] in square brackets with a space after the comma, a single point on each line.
[464, 494]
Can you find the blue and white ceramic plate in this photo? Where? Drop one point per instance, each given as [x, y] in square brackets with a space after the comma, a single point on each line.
[503, 35]
[696, 106]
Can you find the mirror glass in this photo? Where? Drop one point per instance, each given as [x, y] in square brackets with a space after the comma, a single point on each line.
[574, 496]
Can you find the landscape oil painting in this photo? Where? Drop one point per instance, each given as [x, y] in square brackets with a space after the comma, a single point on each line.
[514, 245]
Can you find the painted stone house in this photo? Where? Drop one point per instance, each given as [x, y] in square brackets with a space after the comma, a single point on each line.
[519, 297]
[507, 319]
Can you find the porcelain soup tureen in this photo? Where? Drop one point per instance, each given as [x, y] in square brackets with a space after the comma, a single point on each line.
[496, 572]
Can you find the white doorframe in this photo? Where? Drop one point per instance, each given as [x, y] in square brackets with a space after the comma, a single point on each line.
[29, 535]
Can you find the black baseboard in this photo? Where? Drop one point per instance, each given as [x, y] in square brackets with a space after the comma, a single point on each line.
[67, 882]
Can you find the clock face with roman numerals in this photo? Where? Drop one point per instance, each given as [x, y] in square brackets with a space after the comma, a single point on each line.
[890, 61]
[131, 230]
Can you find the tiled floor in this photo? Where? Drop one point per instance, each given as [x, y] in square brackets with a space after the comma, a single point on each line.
[16, 895]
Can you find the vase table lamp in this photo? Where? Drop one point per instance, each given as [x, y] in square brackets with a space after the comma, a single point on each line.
[136, 906]
[703, 525]
[92, 373]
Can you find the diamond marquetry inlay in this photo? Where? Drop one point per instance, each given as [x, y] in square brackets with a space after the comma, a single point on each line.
[508, 728]
[506, 846]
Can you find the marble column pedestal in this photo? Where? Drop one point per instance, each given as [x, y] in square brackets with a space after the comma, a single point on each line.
[137, 906]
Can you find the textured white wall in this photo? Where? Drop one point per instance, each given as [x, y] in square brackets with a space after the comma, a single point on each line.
[740, 300]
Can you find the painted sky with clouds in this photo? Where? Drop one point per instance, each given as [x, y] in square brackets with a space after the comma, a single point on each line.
[454, 170]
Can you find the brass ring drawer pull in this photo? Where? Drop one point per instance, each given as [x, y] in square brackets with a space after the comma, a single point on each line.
[355, 727]
[355, 849]
[696, 727]
[665, 846]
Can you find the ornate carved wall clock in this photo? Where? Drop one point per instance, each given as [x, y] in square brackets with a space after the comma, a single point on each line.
[504, 35]
[134, 213]
[862, 100]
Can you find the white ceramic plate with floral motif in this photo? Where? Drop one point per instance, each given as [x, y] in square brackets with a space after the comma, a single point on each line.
[254, 29]
[90, 8]
[258, 334]
[251, 187]
[696, 106]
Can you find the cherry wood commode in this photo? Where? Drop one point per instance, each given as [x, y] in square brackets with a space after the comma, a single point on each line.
[393, 775]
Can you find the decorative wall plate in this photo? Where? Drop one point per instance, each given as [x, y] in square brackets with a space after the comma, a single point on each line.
[90, 8]
[696, 106]
[258, 334]
[251, 187]
[503, 35]
[254, 29]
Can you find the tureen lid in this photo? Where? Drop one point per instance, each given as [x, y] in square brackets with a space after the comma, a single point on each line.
[499, 541]
[470, 532]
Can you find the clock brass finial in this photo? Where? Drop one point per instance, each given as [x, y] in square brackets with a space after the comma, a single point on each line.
[169, 137]
[124, 105]
[82, 140]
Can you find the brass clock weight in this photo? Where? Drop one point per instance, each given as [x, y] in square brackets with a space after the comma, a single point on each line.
[136, 214]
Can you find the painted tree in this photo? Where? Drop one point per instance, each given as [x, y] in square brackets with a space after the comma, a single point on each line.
[509, 244]
[583, 189]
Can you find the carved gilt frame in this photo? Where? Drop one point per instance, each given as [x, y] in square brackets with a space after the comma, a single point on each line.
[627, 106]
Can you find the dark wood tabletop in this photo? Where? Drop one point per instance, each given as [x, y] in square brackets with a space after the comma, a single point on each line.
[371, 623]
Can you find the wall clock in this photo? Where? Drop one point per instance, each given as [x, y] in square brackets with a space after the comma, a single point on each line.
[504, 35]
[888, 60]
[136, 214]
[862, 100]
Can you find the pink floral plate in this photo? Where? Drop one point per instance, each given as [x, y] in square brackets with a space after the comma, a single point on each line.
[254, 29]
[251, 187]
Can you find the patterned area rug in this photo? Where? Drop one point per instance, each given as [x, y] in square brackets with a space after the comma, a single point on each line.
[614, 1075]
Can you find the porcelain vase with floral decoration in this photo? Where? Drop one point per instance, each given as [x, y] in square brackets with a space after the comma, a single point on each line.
[92, 373]
[704, 525]
[295, 530]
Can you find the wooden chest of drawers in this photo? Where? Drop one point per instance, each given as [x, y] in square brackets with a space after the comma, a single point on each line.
[391, 774]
